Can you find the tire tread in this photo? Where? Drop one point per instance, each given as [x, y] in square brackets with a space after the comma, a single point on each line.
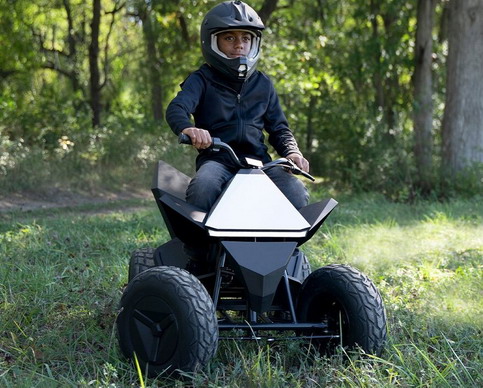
[199, 314]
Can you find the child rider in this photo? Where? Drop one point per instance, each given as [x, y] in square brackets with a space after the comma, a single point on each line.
[231, 100]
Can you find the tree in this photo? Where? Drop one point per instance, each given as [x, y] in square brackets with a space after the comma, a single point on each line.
[71, 68]
[462, 132]
[154, 64]
[268, 7]
[94, 82]
[423, 90]
[146, 13]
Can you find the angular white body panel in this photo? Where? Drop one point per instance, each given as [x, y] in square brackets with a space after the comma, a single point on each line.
[253, 206]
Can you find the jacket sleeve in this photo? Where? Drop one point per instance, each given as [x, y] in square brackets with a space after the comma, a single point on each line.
[279, 134]
[180, 109]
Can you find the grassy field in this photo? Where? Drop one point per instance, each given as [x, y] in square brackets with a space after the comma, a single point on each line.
[62, 273]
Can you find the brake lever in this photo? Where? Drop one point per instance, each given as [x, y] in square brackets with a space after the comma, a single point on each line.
[298, 171]
[289, 164]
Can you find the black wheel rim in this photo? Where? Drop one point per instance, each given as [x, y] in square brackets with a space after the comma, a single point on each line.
[154, 330]
[327, 309]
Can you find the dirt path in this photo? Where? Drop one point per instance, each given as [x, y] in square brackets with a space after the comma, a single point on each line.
[62, 198]
[171, 180]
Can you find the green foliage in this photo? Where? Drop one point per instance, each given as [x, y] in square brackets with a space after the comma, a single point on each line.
[469, 181]
[342, 69]
[111, 158]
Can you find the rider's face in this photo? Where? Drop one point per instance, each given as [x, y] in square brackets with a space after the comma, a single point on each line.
[234, 43]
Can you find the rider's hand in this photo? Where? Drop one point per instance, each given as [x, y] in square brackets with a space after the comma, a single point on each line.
[200, 138]
[300, 161]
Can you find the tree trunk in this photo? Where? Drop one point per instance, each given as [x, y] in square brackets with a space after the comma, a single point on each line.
[153, 67]
[423, 102]
[268, 7]
[72, 42]
[310, 123]
[384, 79]
[463, 114]
[377, 78]
[95, 87]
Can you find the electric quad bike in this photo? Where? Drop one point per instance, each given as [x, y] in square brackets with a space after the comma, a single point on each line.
[256, 282]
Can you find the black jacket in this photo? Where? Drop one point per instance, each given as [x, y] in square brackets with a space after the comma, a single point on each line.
[237, 117]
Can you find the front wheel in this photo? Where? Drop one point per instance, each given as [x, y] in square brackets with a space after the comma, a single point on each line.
[350, 306]
[167, 320]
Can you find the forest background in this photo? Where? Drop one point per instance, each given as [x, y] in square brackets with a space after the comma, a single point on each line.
[382, 95]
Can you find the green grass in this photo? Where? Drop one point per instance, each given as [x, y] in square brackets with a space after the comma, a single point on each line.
[62, 273]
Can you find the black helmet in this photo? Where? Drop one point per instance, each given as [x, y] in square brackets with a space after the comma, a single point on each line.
[231, 15]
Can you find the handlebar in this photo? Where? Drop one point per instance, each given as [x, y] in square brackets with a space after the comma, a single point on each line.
[218, 145]
[184, 139]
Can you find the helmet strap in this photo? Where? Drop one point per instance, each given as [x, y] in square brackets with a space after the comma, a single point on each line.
[243, 68]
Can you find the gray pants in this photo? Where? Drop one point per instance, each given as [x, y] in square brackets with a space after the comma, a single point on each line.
[211, 178]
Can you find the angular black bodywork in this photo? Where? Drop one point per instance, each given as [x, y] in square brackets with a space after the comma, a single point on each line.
[263, 272]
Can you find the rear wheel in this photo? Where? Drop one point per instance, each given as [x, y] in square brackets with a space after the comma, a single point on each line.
[168, 320]
[348, 303]
[141, 260]
[305, 267]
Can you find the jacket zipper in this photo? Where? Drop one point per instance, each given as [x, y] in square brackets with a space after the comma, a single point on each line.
[238, 107]
[241, 131]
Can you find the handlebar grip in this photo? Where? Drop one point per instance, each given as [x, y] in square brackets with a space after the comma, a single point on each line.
[184, 139]
[216, 146]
